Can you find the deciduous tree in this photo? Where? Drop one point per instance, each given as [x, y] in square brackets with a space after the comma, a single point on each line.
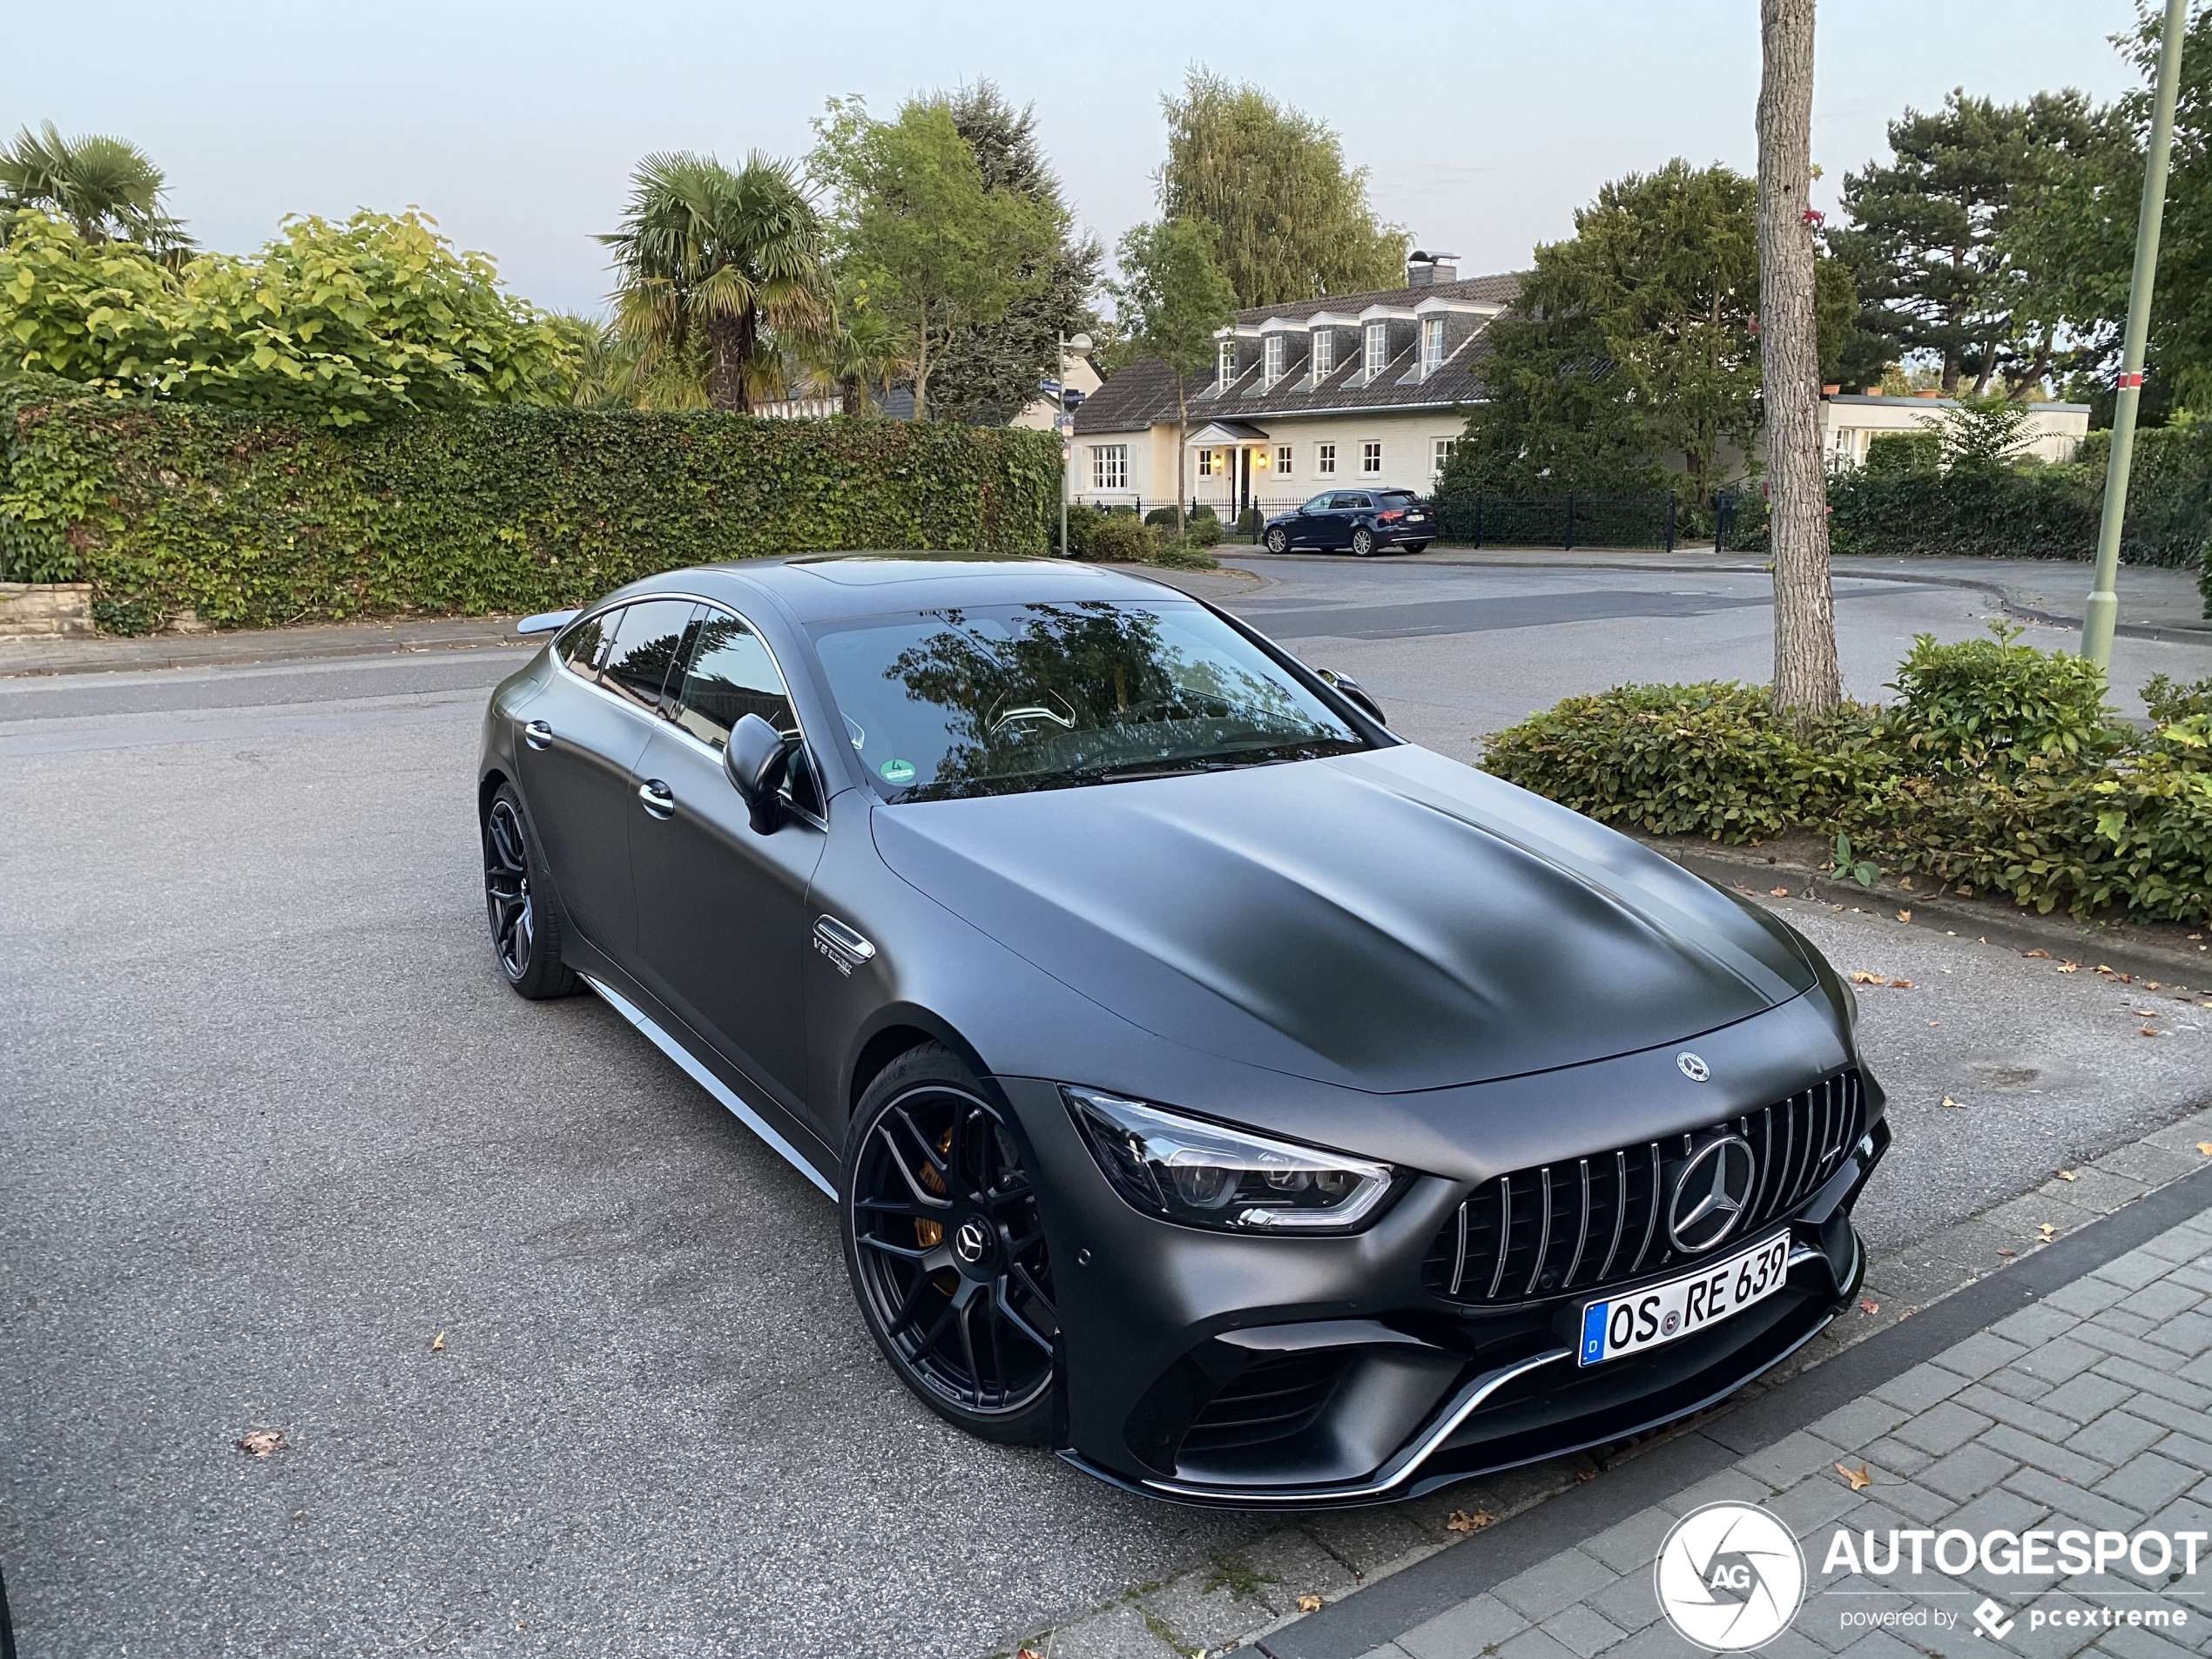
[1291, 221]
[1172, 296]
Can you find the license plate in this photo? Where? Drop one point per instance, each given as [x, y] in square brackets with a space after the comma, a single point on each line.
[1626, 1324]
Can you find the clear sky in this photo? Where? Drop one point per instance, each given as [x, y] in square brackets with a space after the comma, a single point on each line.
[1485, 124]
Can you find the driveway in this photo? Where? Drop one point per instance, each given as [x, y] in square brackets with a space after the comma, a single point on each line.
[272, 1127]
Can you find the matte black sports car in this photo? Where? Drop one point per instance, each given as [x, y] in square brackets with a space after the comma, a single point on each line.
[1255, 1107]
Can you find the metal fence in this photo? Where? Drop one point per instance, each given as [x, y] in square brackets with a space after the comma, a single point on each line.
[1567, 522]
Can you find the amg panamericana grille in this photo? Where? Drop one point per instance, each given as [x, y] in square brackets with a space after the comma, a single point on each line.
[1596, 1221]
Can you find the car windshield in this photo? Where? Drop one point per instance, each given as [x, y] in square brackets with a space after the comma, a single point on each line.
[1399, 498]
[1001, 700]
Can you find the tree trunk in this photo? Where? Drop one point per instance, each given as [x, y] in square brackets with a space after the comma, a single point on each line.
[921, 366]
[725, 366]
[849, 389]
[1807, 681]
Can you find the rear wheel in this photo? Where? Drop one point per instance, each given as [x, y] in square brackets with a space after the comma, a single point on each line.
[946, 1248]
[1279, 540]
[1363, 541]
[525, 937]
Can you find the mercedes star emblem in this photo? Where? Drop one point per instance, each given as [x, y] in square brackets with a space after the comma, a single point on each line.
[1711, 1194]
[1692, 1067]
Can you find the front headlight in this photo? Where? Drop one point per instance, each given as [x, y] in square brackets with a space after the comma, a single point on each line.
[1205, 1175]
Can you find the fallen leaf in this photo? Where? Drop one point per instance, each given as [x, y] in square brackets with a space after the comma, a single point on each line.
[2149, 1031]
[1027, 1653]
[1904, 915]
[2044, 1232]
[2205, 1147]
[2069, 968]
[1582, 1475]
[438, 1343]
[2045, 954]
[1866, 1306]
[1309, 1604]
[2144, 1013]
[1860, 976]
[2001, 1250]
[1859, 1479]
[2069, 1175]
[1900, 985]
[1781, 893]
[262, 1443]
[1961, 1104]
[1460, 1521]
[2150, 984]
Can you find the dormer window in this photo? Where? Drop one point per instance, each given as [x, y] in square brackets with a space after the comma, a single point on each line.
[1377, 348]
[1274, 357]
[1431, 346]
[1324, 354]
[1225, 369]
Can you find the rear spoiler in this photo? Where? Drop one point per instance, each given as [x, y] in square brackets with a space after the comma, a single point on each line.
[546, 622]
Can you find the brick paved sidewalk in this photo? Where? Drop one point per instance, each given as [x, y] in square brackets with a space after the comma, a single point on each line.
[2091, 1408]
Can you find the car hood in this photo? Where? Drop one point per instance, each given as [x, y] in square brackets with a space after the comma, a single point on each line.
[1389, 920]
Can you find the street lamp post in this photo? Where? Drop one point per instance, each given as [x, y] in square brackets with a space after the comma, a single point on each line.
[2103, 612]
[1080, 346]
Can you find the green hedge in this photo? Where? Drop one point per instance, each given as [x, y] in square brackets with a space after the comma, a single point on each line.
[1996, 771]
[250, 521]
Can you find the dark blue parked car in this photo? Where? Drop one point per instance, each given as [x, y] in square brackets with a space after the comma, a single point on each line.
[1365, 520]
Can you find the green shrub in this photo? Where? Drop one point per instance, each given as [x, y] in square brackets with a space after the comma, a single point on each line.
[1189, 554]
[1998, 771]
[1250, 521]
[253, 521]
[1984, 707]
[1083, 521]
[1891, 452]
[1162, 518]
[1204, 531]
[1121, 540]
[2170, 702]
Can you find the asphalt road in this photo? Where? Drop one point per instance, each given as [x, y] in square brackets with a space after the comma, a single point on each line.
[272, 1124]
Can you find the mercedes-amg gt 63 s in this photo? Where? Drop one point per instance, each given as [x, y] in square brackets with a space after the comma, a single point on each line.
[1254, 1106]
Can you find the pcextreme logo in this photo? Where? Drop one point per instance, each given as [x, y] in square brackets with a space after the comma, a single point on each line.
[1730, 1577]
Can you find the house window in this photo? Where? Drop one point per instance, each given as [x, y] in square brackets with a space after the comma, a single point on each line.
[1282, 461]
[1377, 348]
[1325, 354]
[1324, 457]
[1443, 455]
[1109, 466]
[1206, 462]
[1226, 370]
[1371, 460]
[1432, 345]
[1275, 344]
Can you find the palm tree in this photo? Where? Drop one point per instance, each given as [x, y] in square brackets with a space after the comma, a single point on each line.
[108, 188]
[854, 349]
[706, 250]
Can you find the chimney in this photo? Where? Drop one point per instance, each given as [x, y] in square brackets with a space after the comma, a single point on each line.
[1424, 269]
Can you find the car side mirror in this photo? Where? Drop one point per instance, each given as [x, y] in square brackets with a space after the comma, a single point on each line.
[756, 758]
[1354, 694]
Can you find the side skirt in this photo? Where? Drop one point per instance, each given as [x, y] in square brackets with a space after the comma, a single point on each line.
[706, 1080]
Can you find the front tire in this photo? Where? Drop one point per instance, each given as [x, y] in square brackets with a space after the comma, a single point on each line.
[525, 937]
[1278, 541]
[1363, 541]
[945, 1245]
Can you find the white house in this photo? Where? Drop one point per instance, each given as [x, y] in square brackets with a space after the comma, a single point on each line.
[1848, 424]
[1356, 388]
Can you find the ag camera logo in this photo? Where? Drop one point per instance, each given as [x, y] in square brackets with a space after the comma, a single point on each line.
[1730, 1577]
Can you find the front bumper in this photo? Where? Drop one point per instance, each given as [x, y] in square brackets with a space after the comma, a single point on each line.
[1305, 1374]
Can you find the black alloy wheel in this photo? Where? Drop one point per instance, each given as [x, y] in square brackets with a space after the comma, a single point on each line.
[1279, 540]
[947, 1249]
[523, 934]
[1363, 541]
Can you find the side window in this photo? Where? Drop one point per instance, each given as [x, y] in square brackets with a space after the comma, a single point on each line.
[645, 648]
[1341, 500]
[1319, 504]
[729, 675]
[1357, 500]
[584, 646]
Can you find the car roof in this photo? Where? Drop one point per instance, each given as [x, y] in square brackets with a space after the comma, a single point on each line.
[823, 587]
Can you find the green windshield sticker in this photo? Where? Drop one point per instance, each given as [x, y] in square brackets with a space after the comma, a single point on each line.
[897, 772]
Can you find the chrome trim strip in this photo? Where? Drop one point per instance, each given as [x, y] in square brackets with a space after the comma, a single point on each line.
[706, 1080]
[1543, 1228]
[1460, 1249]
[1400, 1468]
[1505, 1232]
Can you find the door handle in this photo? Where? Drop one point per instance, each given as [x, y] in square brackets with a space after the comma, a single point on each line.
[538, 735]
[657, 799]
